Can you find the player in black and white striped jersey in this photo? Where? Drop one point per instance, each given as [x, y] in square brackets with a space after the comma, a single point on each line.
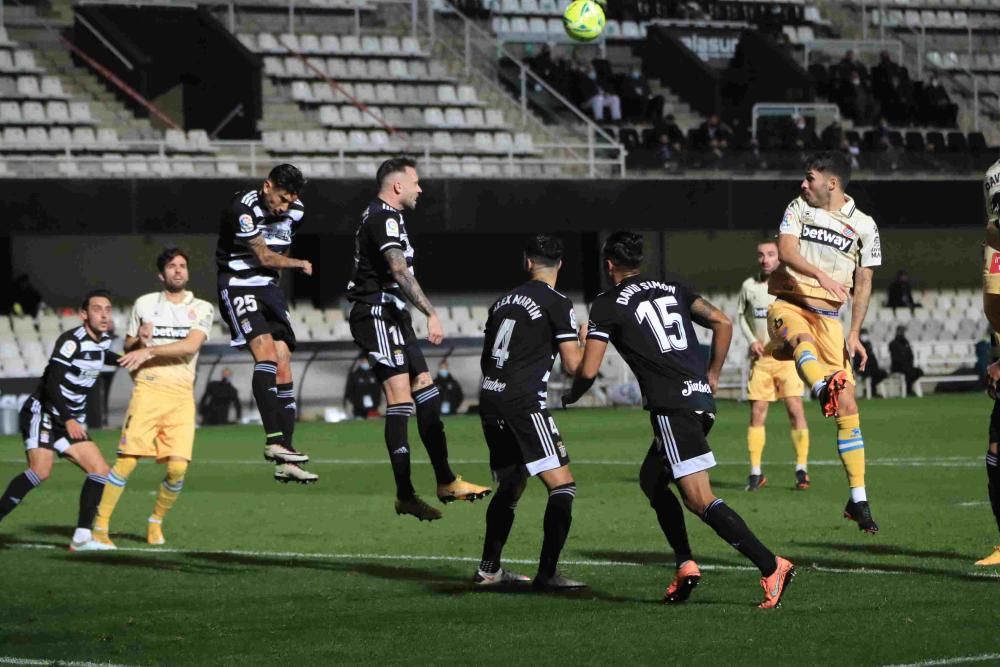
[255, 237]
[54, 418]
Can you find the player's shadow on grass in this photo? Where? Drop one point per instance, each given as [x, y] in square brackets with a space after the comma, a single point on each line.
[650, 557]
[51, 530]
[170, 564]
[889, 550]
[805, 562]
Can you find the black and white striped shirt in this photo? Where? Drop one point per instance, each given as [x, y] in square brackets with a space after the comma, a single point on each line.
[71, 373]
[244, 218]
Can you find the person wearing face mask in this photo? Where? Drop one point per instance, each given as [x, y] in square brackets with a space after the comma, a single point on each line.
[596, 96]
[363, 393]
[871, 370]
[451, 391]
[637, 98]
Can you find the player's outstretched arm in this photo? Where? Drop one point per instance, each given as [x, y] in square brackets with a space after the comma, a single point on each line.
[788, 253]
[181, 348]
[710, 317]
[570, 355]
[273, 260]
[586, 372]
[862, 297]
[414, 293]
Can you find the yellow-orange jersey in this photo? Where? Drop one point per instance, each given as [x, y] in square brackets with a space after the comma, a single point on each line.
[835, 242]
[752, 305]
[172, 322]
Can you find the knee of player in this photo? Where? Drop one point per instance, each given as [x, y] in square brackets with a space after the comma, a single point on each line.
[41, 471]
[176, 470]
[99, 468]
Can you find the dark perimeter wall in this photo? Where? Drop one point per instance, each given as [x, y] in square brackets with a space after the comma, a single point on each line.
[73, 234]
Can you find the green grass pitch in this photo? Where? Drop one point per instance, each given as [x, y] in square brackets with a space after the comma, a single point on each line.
[257, 573]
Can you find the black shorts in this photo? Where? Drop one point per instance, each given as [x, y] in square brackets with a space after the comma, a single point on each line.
[40, 431]
[995, 422]
[680, 440]
[386, 334]
[254, 311]
[524, 438]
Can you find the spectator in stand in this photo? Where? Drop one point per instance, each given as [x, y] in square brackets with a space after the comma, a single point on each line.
[901, 292]
[850, 66]
[668, 126]
[832, 137]
[363, 391]
[901, 353]
[219, 396]
[938, 109]
[541, 63]
[638, 99]
[713, 135]
[25, 299]
[598, 98]
[800, 135]
[884, 71]
[856, 101]
[871, 370]
[852, 151]
[451, 391]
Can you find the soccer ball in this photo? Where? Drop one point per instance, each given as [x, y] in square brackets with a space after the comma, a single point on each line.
[583, 20]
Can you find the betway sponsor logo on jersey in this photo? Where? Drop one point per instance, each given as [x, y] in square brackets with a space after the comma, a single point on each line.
[826, 237]
[171, 332]
[632, 290]
[534, 311]
[490, 384]
[691, 386]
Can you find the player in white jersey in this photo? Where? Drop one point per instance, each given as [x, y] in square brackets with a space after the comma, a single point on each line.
[165, 332]
[770, 379]
[828, 248]
[991, 307]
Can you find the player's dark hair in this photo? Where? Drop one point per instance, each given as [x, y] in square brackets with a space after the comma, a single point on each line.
[287, 177]
[94, 294]
[624, 249]
[168, 255]
[392, 166]
[544, 249]
[831, 163]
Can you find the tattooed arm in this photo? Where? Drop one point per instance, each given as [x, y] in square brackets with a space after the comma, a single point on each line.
[414, 293]
[273, 260]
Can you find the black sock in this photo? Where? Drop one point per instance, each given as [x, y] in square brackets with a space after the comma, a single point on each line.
[431, 430]
[90, 498]
[499, 519]
[265, 392]
[396, 417]
[17, 490]
[288, 411]
[670, 514]
[993, 475]
[558, 517]
[730, 527]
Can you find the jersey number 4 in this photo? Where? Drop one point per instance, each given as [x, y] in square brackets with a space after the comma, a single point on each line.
[659, 318]
[502, 342]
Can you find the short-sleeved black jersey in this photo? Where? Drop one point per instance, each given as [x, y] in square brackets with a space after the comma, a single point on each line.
[380, 229]
[649, 323]
[244, 218]
[74, 365]
[523, 333]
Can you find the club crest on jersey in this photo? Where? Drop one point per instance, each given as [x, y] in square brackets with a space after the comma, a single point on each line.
[391, 228]
[995, 263]
[245, 325]
[246, 223]
[826, 237]
[692, 386]
[397, 355]
[572, 319]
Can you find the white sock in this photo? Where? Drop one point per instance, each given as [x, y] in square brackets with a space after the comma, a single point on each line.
[81, 535]
[818, 387]
[754, 470]
[802, 468]
[858, 494]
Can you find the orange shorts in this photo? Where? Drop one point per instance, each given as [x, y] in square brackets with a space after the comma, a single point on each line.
[786, 320]
[772, 380]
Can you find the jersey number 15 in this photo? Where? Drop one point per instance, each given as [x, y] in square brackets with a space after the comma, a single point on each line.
[657, 315]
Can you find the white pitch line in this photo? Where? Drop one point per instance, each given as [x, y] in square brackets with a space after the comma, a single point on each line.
[804, 567]
[7, 660]
[972, 503]
[944, 462]
[951, 661]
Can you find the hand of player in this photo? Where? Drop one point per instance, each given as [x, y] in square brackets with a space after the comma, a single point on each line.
[146, 333]
[992, 377]
[582, 333]
[713, 380]
[76, 430]
[756, 350]
[833, 287]
[307, 267]
[136, 358]
[435, 332]
[854, 347]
